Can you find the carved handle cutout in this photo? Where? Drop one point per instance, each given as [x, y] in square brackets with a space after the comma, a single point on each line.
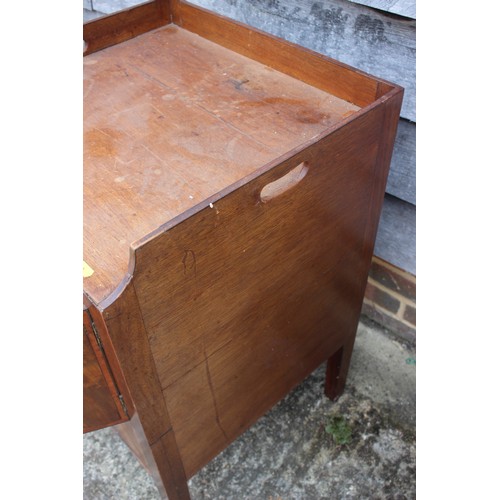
[283, 184]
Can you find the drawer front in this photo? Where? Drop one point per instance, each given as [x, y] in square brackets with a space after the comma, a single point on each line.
[101, 399]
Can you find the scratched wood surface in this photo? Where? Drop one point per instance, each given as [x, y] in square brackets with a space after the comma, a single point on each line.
[373, 40]
[171, 119]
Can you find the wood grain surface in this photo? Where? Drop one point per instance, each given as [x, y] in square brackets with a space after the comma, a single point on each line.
[372, 40]
[242, 300]
[171, 119]
[101, 404]
[126, 329]
[126, 24]
[132, 433]
[99, 409]
[322, 72]
[368, 39]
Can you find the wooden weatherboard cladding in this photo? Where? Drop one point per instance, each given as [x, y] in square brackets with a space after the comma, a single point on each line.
[233, 184]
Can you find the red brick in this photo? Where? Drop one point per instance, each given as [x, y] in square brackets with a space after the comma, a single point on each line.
[394, 325]
[410, 315]
[381, 298]
[392, 280]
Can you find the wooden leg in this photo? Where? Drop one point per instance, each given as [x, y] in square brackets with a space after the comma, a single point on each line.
[170, 467]
[125, 326]
[336, 370]
[133, 435]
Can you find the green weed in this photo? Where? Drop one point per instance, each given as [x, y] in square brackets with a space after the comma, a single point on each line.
[339, 429]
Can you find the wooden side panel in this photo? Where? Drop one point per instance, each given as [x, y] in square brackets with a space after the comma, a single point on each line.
[313, 68]
[243, 300]
[387, 132]
[124, 25]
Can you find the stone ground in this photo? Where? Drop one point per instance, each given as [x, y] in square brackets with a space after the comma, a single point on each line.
[291, 453]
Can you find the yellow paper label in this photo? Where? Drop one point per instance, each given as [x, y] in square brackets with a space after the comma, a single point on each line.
[87, 270]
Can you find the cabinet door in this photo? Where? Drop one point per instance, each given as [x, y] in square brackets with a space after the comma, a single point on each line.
[102, 404]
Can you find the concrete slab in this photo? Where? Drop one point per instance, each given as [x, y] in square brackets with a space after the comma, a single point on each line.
[291, 452]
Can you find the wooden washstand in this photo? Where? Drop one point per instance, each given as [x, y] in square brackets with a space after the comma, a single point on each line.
[233, 184]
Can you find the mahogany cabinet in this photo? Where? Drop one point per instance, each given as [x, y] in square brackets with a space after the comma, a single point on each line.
[233, 184]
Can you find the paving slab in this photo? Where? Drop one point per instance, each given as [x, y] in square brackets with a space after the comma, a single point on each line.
[360, 447]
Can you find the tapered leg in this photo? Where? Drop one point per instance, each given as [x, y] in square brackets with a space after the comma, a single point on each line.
[132, 434]
[337, 368]
[154, 442]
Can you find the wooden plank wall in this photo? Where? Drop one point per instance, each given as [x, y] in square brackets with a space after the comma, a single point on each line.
[375, 41]
[406, 8]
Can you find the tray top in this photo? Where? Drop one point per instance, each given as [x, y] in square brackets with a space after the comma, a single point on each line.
[171, 119]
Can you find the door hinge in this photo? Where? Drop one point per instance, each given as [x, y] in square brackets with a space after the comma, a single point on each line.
[124, 406]
[96, 335]
[101, 348]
